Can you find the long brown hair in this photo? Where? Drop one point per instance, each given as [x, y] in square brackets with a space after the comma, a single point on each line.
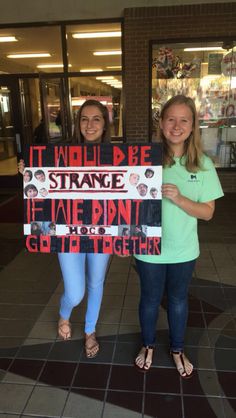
[106, 136]
[192, 146]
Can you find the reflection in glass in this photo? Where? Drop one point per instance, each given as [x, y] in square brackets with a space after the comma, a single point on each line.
[83, 88]
[81, 50]
[207, 73]
[45, 39]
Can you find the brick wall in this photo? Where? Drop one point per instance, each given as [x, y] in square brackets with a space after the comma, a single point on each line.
[170, 23]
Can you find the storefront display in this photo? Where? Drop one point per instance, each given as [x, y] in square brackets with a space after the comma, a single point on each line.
[208, 75]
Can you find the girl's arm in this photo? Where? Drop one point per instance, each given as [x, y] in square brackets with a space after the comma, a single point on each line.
[199, 210]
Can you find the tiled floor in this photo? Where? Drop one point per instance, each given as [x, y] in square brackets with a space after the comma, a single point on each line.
[41, 376]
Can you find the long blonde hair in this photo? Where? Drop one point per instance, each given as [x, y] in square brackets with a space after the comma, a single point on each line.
[192, 146]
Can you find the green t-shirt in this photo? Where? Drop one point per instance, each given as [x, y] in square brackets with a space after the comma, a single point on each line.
[179, 230]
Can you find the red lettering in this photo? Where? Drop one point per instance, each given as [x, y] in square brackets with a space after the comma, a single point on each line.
[156, 242]
[77, 211]
[111, 211]
[142, 245]
[118, 156]
[95, 240]
[45, 243]
[32, 208]
[31, 243]
[117, 246]
[53, 214]
[75, 156]
[65, 211]
[145, 158]
[88, 162]
[126, 243]
[124, 212]
[137, 203]
[63, 239]
[60, 152]
[74, 244]
[107, 245]
[96, 212]
[132, 155]
[39, 153]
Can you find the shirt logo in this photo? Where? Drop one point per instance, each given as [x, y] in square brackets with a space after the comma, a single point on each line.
[193, 178]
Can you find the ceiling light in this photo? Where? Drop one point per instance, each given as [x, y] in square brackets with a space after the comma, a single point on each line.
[99, 53]
[51, 66]
[28, 55]
[8, 39]
[85, 35]
[90, 70]
[206, 48]
[113, 67]
[105, 77]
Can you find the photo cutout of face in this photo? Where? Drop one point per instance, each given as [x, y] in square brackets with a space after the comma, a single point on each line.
[153, 192]
[149, 173]
[134, 179]
[142, 189]
[36, 228]
[125, 232]
[139, 231]
[27, 176]
[43, 192]
[31, 191]
[52, 228]
[40, 176]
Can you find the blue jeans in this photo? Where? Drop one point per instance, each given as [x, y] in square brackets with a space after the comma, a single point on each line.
[154, 280]
[76, 270]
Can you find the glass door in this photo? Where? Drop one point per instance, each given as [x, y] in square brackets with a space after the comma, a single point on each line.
[54, 108]
[9, 120]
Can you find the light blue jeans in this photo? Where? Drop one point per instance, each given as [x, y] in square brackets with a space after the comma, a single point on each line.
[80, 271]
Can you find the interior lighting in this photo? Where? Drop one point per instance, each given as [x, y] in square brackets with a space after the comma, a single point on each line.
[29, 55]
[100, 53]
[51, 65]
[205, 48]
[86, 35]
[91, 70]
[105, 77]
[8, 39]
[114, 67]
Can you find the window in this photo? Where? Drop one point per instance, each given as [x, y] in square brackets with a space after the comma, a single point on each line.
[83, 88]
[207, 73]
[31, 50]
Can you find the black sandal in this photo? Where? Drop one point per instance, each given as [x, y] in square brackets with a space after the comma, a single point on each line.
[143, 360]
[184, 361]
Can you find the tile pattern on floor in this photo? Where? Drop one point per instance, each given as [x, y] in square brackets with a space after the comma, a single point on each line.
[42, 376]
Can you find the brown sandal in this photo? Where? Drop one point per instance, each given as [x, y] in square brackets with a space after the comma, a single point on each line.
[91, 345]
[184, 367]
[64, 329]
[143, 360]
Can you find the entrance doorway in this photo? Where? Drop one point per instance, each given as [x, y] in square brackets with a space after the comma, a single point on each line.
[10, 139]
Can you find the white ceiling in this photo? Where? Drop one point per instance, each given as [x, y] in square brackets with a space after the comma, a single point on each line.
[15, 11]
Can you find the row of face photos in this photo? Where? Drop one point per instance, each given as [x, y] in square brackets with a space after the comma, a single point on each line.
[49, 228]
[31, 190]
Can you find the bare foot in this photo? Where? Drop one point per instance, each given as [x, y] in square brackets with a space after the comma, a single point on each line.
[144, 358]
[182, 363]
